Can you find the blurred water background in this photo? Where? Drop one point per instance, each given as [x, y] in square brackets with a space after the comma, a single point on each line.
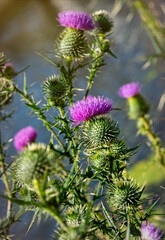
[30, 26]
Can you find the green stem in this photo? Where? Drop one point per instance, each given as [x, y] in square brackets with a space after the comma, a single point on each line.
[155, 31]
[152, 137]
[48, 207]
[128, 228]
[56, 215]
[75, 154]
[6, 181]
[70, 77]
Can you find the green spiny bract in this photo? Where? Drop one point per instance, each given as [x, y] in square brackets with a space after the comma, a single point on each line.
[137, 107]
[72, 44]
[34, 163]
[100, 158]
[104, 23]
[76, 217]
[116, 151]
[99, 132]
[124, 195]
[55, 90]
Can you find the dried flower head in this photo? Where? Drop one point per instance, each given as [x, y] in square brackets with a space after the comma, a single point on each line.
[129, 90]
[24, 137]
[150, 232]
[91, 106]
[76, 20]
[104, 23]
[8, 70]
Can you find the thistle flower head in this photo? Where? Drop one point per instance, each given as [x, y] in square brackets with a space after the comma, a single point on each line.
[75, 19]
[91, 106]
[104, 23]
[129, 90]
[24, 137]
[99, 132]
[34, 162]
[55, 90]
[150, 232]
[72, 44]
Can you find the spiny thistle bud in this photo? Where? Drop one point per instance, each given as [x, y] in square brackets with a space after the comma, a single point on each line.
[76, 220]
[136, 103]
[116, 151]
[104, 23]
[118, 147]
[100, 158]
[55, 90]
[124, 194]
[99, 131]
[72, 44]
[34, 162]
[75, 216]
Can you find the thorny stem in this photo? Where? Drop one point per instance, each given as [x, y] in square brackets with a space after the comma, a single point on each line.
[152, 137]
[155, 31]
[6, 181]
[98, 62]
[70, 77]
[39, 112]
[48, 207]
[95, 67]
[75, 152]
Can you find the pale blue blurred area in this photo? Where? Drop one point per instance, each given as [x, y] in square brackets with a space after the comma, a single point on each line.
[30, 26]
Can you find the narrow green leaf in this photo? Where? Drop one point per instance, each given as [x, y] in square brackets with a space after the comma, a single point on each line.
[33, 220]
[25, 85]
[47, 58]
[150, 209]
[108, 218]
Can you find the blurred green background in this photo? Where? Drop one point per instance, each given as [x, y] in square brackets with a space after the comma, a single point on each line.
[30, 26]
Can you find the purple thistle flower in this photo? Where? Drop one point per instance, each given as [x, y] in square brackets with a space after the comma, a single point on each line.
[24, 137]
[91, 106]
[150, 232]
[76, 19]
[129, 90]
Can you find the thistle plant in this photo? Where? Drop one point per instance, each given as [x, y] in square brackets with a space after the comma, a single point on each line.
[100, 200]
[138, 109]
